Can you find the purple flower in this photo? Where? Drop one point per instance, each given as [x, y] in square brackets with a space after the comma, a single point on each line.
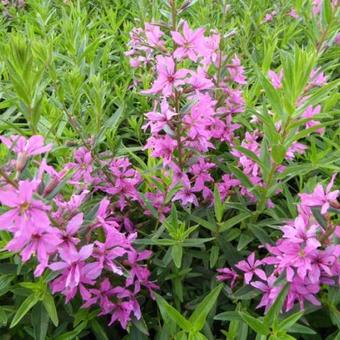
[42, 241]
[276, 79]
[237, 71]
[189, 43]
[226, 274]
[269, 289]
[69, 241]
[250, 267]
[168, 77]
[25, 148]
[321, 198]
[75, 272]
[24, 212]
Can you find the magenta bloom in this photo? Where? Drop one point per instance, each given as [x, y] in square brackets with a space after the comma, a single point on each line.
[153, 35]
[24, 212]
[301, 232]
[294, 14]
[43, 241]
[276, 79]
[226, 274]
[25, 148]
[82, 166]
[186, 196]
[317, 78]
[159, 120]
[270, 290]
[319, 197]
[311, 112]
[168, 77]
[250, 267]
[189, 43]
[69, 241]
[75, 272]
[102, 296]
[236, 71]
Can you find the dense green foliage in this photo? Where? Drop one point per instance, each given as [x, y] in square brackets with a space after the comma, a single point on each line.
[64, 75]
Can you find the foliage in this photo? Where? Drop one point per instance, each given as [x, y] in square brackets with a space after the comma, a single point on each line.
[227, 170]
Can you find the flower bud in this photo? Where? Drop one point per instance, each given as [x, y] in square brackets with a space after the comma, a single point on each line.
[21, 161]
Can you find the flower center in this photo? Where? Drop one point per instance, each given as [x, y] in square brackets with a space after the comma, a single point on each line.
[24, 207]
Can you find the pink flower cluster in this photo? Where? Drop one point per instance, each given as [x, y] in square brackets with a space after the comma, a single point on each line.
[307, 255]
[197, 93]
[91, 254]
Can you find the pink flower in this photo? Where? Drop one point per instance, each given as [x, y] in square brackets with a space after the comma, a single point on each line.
[157, 121]
[168, 77]
[295, 148]
[69, 241]
[107, 253]
[31, 147]
[293, 14]
[226, 274]
[317, 5]
[237, 71]
[24, 212]
[25, 148]
[276, 79]
[162, 146]
[311, 112]
[210, 47]
[74, 272]
[301, 232]
[317, 78]
[200, 81]
[301, 290]
[82, 166]
[320, 198]
[189, 43]
[270, 16]
[298, 256]
[337, 39]
[250, 267]
[226, 185]
[186, 196]
[270, 290]
[153, 35]
[122, 311]
[102, 295]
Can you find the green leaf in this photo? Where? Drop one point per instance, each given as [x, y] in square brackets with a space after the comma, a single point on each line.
[203, 223]
[72, 334]
[244, 240]
[214, 252]
[297, 328]
[275, 309]
[98, 330]
[260, 234]
[290, 321]
[271, 94]
[257, 325]
[51, 310]
[39, 321]
[228, 316]
[246, 293]
[218, 206]
[173, 314]
[199, 316]
[176, 253]
[24, 309]
[233, 221]
[278, 153]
